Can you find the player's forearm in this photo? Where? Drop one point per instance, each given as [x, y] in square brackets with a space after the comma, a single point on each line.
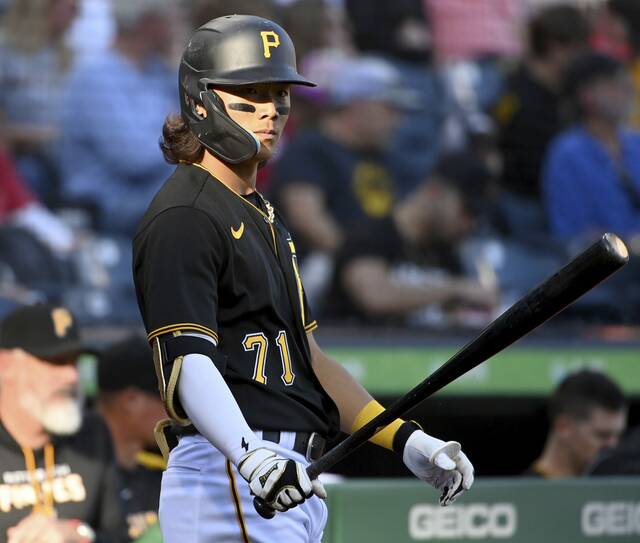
[349, 396]
[356, 406]
[212, 409]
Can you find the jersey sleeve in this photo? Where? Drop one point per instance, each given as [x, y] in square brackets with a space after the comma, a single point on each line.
[177, 260]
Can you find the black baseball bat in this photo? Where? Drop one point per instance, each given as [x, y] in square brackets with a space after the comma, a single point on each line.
[578, 277]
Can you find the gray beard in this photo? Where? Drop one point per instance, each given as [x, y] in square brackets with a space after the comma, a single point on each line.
[62, 417]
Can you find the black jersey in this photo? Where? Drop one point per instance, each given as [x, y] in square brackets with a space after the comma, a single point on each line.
[208, 260]
[76, 476]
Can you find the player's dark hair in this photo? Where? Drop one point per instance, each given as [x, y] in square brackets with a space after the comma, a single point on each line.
[582, 391]
[557, 25]
[178, 142]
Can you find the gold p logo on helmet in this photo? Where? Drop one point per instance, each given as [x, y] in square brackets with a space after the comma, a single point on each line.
[269, 39]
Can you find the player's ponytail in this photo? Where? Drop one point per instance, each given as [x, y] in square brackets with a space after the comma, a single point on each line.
[178, 143]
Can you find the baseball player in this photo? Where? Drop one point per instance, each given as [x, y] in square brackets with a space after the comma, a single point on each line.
[241, 375]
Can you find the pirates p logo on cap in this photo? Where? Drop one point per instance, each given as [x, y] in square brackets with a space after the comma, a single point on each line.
[62, 321]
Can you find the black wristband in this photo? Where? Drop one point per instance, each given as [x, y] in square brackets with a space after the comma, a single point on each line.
[403, 433]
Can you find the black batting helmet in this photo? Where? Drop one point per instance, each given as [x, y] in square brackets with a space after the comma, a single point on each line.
[230, 51]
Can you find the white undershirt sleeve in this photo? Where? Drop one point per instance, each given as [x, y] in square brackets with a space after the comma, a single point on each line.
[212, 409]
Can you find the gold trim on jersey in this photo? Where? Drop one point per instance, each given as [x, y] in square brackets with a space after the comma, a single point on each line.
[236, 502]
[270, 217]
[294, 264]
[311, 326]
[182, 326]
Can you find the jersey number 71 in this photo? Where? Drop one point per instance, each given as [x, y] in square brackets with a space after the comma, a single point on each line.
[260, 343]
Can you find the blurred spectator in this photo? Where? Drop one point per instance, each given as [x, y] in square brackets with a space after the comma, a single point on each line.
[529, 114]
[317, 24]
[34, 65]
[331, 178]
[34, 243]
[623, 459]
[403, 33]
[625, 19]
[129, 401]
[73, 495]
[321, 66]
[405, 38]
[20, 207]
[92, 30]
[587, 413]
[611, 33]
[395, 268]
[14, 195]
[464, 30]
[202, 11]
[110, 157]
[592, 172]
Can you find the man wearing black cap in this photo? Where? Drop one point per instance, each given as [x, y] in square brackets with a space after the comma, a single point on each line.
[58, 481]
[129, 401]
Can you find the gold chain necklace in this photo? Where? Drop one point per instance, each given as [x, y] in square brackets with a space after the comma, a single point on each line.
[271, 215]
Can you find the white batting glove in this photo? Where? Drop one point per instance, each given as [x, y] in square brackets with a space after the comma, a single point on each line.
[281, 482]
[442, 465]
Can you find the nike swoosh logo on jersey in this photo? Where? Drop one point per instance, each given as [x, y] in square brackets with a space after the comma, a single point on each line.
[237, 233]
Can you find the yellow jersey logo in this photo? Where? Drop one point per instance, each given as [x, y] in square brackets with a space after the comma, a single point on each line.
[237, 233]
[269, 39]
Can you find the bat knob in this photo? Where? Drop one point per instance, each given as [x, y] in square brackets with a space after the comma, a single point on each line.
[263, 508]
[617, 246]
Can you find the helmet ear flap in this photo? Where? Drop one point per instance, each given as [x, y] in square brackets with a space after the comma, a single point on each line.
[225, 138]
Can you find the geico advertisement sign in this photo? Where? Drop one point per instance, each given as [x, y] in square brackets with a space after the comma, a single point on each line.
[610, 519]
[473, 521]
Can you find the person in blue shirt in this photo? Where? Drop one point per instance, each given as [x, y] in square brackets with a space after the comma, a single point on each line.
[591, 176]
[114, 107]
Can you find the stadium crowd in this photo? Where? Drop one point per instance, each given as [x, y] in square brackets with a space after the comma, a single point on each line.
[453, 154]
[448, 163]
